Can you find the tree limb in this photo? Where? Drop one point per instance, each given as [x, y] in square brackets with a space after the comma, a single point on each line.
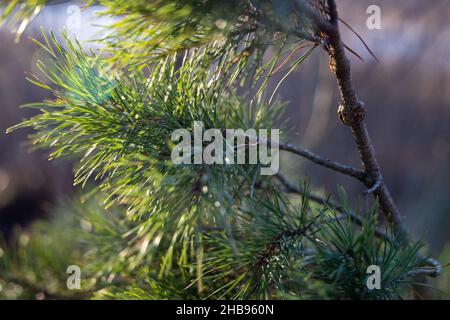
[352, 113]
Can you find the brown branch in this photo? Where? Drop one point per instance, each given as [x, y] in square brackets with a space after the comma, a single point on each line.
[425, 271]
[341, 168]
[305, 153]
[352, 113]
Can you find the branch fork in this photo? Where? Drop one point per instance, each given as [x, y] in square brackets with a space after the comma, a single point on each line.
[352, 112]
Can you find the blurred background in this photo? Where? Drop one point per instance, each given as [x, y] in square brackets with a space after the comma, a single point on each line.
[407, 95]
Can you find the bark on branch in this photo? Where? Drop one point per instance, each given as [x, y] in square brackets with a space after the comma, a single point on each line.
[352, 112]
[333, 165]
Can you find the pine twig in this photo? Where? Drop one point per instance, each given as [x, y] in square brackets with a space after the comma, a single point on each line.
[341, 168]
[426, 271]
[305, 153]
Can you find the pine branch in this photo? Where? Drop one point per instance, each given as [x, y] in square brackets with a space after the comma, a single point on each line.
[427, 271]
[234, 237]
[307, 154]
[333, 165]
[352, 114]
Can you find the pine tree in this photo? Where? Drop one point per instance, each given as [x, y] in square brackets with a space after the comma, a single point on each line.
[150, 229]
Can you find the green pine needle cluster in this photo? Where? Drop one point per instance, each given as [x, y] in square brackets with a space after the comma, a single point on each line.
[274, 248]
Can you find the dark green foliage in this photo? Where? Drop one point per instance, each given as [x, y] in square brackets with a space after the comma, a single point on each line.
[344, 265]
